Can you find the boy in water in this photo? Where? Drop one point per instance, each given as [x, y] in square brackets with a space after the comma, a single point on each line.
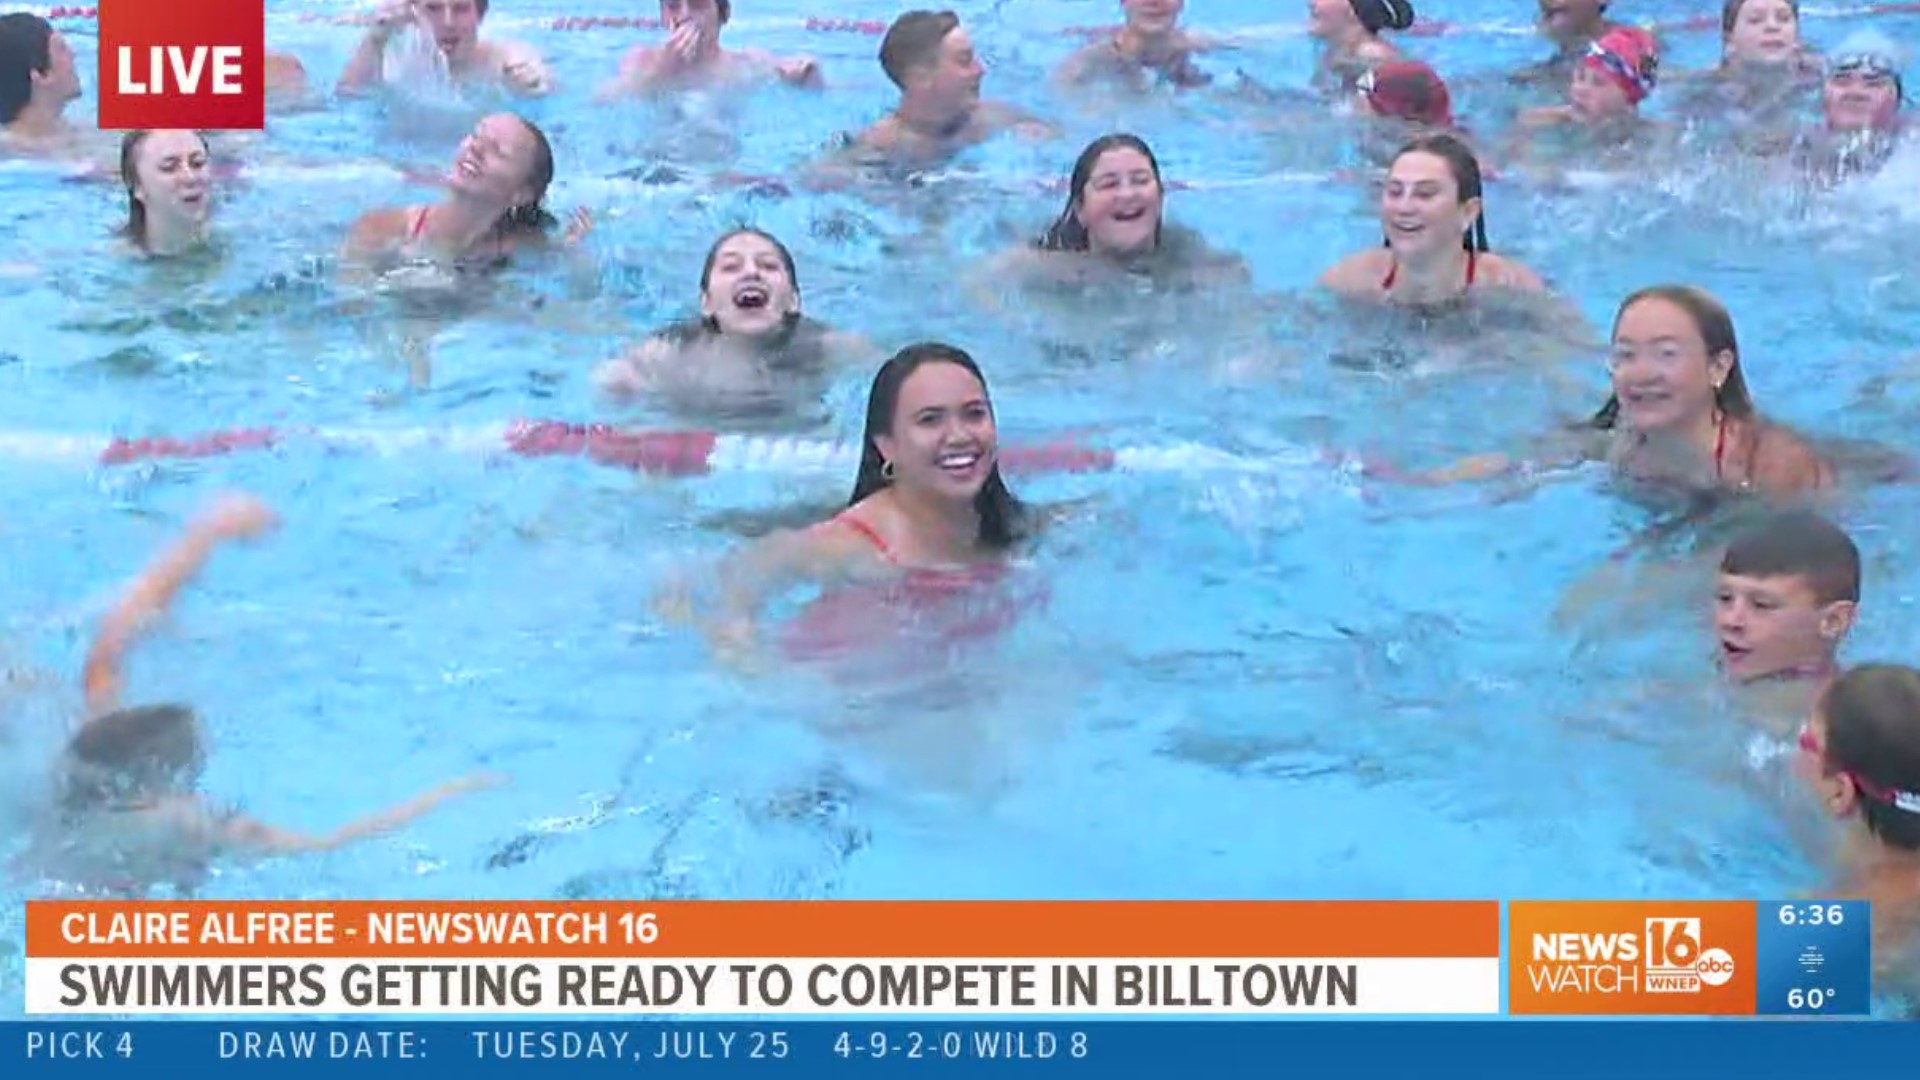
[127, 815]
[1861, 755]
[1788, 594]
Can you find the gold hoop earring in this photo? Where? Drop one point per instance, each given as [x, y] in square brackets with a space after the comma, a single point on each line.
[886, 471]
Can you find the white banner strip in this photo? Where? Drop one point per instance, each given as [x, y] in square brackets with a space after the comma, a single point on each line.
[1252, 986]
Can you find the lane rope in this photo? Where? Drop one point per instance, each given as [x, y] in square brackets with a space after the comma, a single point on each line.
[659, 452]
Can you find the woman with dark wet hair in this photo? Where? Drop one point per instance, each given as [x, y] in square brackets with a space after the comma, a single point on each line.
[924, 538]
[1114, 226]
[168, 175]
[1434, 221]
[128, 815]
[752, 352]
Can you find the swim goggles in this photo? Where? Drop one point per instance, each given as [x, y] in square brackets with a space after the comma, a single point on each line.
[1908, 801]
[1617, 65]
[1871, 65]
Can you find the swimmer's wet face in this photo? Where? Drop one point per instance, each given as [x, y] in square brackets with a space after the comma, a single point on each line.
[1421, 210]
[1120, 205]
[1761, 32]
[497, 161]
[1570, 22]
[1861, 96]
[1331, 18]
[169, 176]
[956, 74]
[1665, 375]
[1770, 626]
[1153, 17]
[1596, 95]
[455, 24]
[1788, 594]
[942, 440]
[61, 81]
[747, 288]
[708, 16]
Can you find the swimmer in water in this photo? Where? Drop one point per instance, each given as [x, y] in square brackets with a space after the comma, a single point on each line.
[1786, 599]
[1149, 47]
[929, 515]
[454, 26]
[1606, 89]
[1572, 26]
[692, 56]
[1436, 251]
[38, 81]
[1680, 416]
[1350, 41]
[751, 353]
[169, 179]
[1765, 77]
[127, 815]
[494, 205]
[1860, 755]
[1861, 102]
[930, 57]
[1114, 228]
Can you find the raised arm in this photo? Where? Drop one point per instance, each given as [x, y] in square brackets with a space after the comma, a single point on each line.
[257, 836]
[366, 68]
[234, 517]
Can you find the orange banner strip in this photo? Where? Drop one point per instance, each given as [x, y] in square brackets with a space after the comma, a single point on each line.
[1013, 929]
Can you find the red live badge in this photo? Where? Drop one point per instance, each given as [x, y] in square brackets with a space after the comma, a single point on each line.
[183, 64]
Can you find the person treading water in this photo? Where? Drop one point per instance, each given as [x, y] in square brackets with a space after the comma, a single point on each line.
[453, 26]
[692, 56]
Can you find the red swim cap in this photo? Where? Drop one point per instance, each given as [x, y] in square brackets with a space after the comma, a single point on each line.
[1630, 57]
[1409, 90]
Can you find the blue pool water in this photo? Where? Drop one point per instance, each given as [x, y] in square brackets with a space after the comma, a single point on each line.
[1249, 683]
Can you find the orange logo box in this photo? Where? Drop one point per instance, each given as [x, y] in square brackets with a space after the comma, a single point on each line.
[1639, 958]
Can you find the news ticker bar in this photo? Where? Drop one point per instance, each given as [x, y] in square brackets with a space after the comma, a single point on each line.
[1479, 1050]
[836, 958]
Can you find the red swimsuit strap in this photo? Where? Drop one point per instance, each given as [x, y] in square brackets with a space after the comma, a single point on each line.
[1393, 271]
[866, 529]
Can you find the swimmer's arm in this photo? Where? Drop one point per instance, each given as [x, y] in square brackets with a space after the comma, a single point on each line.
[801, 70]
[1022, 123]
[1077, 68]
[636, 371]
[232, 518]
[1358, 274]
[367, 67]
[251, 834]
[634, 76]
[1554, 456]
[842, 167]
[1785, 465]
[1006, 271]
[372, 235]
[770, 567]
[1375, 52]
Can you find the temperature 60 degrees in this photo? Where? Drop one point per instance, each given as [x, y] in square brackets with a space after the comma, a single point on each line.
[1809, 999]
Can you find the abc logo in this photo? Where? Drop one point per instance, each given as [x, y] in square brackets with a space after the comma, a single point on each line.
[1715, 967]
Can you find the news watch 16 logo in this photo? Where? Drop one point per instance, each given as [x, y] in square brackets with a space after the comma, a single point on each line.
[1579, 957]
[183, 64]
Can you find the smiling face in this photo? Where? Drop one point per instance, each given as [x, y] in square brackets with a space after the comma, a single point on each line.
[495, 161]
[748, 289]
[1663, 375]
[171, 179]
[1773, 625]
[943, 441]
[1764, 33]
[1120, 204]
[1860, 98]
[1420, 207]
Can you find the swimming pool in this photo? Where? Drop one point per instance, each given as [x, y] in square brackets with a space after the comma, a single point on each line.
[1335, 696]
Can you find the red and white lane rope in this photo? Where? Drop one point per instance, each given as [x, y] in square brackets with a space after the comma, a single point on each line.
[824, 24]
[657, 452]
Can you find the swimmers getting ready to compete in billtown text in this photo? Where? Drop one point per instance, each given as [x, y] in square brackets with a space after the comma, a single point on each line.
[128, 815]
